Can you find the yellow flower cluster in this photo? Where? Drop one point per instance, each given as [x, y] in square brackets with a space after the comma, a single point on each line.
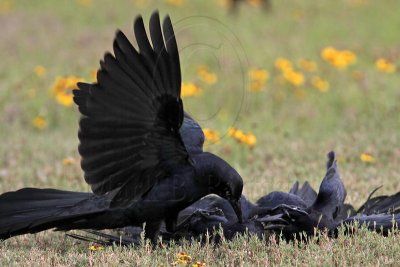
[258, 79]
[338, 58]
[283, 64]
[190, 89]
[205, 75]
[95, 247]
[211, 135]
[294, 77]
[199, 264]
[185, 259]
[366, 157]
[245, 138]
[39, 122]
[320, 84]
[62, 89]
[383, 65]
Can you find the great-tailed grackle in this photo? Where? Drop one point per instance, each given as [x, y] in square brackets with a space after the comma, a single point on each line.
[329, 212]
[141, 153]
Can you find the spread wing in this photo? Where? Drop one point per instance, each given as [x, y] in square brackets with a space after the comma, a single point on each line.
[129, 129]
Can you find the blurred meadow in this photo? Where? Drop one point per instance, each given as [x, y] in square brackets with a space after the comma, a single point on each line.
[274, 90]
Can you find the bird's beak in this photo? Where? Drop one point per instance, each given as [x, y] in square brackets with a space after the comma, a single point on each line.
[238, 209]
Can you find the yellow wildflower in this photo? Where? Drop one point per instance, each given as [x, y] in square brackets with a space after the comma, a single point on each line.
[206, 75]
[39, 122]
[40, 71]
[320, 84]
[258, 74]
[211, 135]
[366, 157]
[68, 161]
[383, 65]
[62, 89]
[190, 89]
[235, 133]
[328, 53]
[177, 3]
[294, 77]
[96, 247]
[249, 139]
[338, 58]
[184, 258]
[199, 264]
[245, 138]
[349, 56]
[307, 65]
[258, 79]
[283, 64]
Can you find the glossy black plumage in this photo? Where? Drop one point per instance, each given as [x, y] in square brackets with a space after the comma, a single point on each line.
[141, 153]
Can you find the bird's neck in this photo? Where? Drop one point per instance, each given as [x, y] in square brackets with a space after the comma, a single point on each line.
[206, 164]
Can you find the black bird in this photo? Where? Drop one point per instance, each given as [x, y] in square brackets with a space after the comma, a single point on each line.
[203, 217]
[141, 153]
[322, 213]
[329, 212]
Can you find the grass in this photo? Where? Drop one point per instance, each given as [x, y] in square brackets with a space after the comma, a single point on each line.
[293, 135]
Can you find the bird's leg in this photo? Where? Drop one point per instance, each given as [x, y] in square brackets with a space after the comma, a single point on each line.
[151, 231]
[170, 222]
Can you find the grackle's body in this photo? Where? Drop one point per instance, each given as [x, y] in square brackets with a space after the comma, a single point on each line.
[141, 153]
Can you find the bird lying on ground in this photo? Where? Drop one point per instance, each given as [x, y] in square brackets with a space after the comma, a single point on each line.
[301, 210]
[141, 153]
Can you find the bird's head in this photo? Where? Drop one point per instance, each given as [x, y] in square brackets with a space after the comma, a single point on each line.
[220, 179]
[230, 188]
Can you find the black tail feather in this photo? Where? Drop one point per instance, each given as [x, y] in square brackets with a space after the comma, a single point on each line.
[381, 204]
[104, 239]
[381, 223]
[30, 210]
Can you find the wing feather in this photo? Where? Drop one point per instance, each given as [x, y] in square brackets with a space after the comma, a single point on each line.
[129, 130]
